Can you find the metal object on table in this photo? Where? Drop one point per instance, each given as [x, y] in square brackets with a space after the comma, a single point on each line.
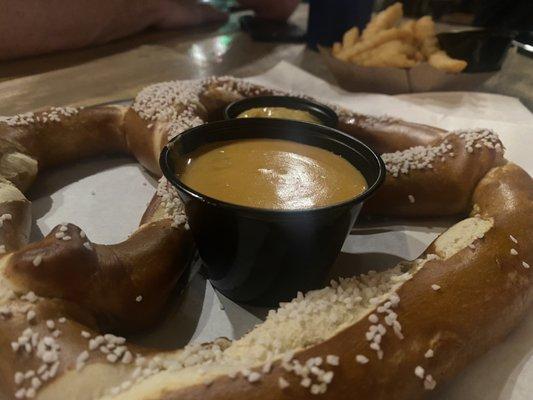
[524, 42]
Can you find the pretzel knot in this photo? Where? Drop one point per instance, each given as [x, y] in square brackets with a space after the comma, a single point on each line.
[401, 331]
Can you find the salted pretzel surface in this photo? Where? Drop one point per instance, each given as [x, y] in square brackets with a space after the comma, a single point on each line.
[389, 335]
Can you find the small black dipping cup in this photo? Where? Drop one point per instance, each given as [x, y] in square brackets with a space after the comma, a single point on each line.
[260, 256]
[324, 114]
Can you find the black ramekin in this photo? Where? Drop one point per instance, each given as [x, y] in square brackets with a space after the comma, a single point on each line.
[325, 114]
[261, 256]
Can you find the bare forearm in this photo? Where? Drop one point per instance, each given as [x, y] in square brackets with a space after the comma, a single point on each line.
[36, 26]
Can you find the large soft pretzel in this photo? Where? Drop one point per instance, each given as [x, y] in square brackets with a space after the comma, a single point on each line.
[389, 335]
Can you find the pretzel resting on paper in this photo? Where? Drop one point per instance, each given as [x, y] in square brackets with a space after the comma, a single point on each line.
[65, 301]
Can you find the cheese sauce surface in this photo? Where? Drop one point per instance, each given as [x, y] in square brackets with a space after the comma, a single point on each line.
[279, 112]
[271, 174]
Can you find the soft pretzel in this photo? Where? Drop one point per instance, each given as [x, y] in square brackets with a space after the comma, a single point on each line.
[395, 334]
[118, 283]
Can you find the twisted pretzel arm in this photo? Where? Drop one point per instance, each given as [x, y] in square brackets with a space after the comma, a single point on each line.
[387, 134]
[401, 331]
[125, 285]
[436, 180]
[458, 299]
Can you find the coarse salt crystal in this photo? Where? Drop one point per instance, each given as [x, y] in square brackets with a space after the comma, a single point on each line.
[19, 378]
[112, 358]
[254, 377]
[127, 357]
[429, 383]
[373, 318]
[305, 382]
[30, 316]
[283, 383]
[332, 359]
[37, 260]
[361, 359]
[35, 383]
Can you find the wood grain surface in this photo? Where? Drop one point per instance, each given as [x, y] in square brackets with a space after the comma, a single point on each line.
[120, 69]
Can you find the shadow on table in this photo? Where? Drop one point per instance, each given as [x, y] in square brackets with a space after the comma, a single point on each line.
[183, 319]
[346, 265]
[349, 264]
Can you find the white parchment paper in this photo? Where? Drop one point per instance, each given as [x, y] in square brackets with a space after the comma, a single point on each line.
[106, 197]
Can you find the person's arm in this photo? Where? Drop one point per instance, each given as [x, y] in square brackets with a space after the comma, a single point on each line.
[32, 27]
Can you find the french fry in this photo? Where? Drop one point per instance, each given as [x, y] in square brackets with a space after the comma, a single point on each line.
[384, 20]
[337, 47]
[387, 43]
[395, 53]
[419, 56]
[408, 26]
[424, 31]
[350, 37]
[444, 62]
[398, 61]
[375, 41]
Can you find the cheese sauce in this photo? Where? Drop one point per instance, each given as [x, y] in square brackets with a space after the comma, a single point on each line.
[271, 174]
[279, 112]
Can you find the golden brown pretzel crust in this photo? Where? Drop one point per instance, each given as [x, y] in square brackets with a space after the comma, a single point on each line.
[483, 294]
[107, 279]
[55, 137]
[387, 134]
[481, 263]
[444, 189]
[15, 229]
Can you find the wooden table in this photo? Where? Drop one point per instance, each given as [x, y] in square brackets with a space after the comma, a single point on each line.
[120, 69]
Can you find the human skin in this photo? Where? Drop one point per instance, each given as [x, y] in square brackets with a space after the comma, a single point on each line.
[32, 27]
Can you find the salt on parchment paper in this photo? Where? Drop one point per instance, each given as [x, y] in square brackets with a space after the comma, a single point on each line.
[106, 197]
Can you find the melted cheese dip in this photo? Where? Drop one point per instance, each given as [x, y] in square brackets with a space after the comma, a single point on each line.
[279, 112]
[271, 174]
